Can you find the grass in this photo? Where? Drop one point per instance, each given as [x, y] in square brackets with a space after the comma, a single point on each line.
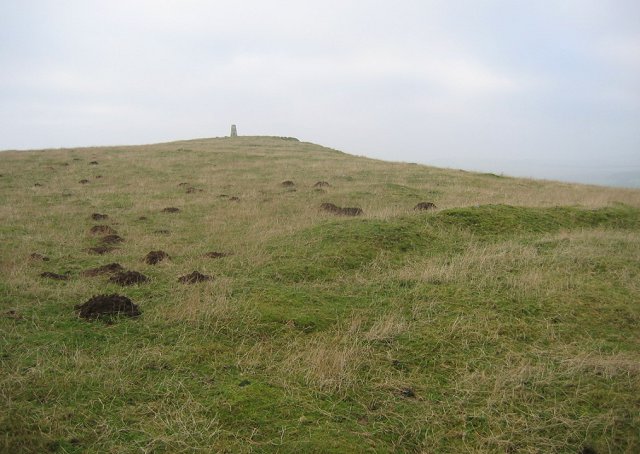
[504, 321]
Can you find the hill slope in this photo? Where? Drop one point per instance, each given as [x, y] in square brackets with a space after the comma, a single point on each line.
[506, 320]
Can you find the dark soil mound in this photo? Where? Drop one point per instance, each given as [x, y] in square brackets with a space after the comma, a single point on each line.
[287, 183]
[330, 207]
[128, 278]
[425, 206]
[216, 255]
[321, 184]
[38, 257]
[37, 184]
[191, 190]
[57, 277]
[194, 278]
[143, 218]
[588, 450]
[171, 210]
[106, 306]
[85, 181]
[93, 163]
[154, 257]
[223, 196]
[98, 216]
[111, 268]
[102, 230]
[407, 392]
[351, 211]
[234, 199]
[112, 239]
[162, 232]
[100, 250]
[183, 184]
[98, 176]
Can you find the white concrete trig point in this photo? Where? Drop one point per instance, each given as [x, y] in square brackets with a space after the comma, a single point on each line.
[234, 131]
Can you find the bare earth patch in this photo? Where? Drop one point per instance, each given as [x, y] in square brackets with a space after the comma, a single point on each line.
[348, 211]
[112, 239]
[107, 305]
[330, 207]
[111, 268]
[154, 257]
[425, 206]
[170, 210]
[99, 216]
[407, 392]
[194, 277]
[102, 230]
[100, 250]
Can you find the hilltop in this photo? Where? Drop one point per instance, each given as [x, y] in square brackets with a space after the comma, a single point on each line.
[502, 320]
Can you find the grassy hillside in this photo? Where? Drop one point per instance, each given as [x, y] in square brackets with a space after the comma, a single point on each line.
[506, 320]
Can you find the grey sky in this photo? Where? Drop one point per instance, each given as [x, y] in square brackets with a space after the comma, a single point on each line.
[534, 88]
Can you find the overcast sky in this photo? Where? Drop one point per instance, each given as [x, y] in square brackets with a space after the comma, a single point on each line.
[521, 87]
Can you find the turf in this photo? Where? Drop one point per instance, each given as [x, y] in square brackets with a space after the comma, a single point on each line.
[506, 320]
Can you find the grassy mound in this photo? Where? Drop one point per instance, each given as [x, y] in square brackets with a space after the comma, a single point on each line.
[505, 220]
[330, 249]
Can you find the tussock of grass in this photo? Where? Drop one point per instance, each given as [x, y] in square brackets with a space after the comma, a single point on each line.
[503, 321]
[328, 364]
